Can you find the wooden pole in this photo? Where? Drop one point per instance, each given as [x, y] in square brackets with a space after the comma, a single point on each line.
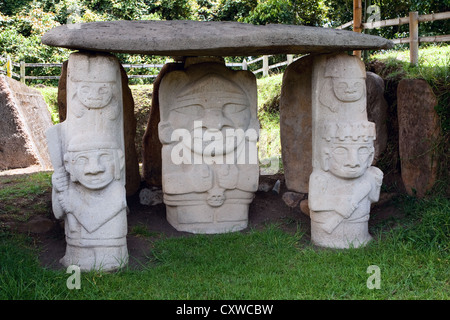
[22, 71]
[8, 67]
[357, 21]
[414, 37]
[265, 66]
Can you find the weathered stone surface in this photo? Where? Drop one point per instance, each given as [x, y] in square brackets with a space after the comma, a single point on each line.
[208, 129]
[292, 199]
[343, 183]
[377, 108]
[24, 118]
[133, 178]
[418, 131]
[295, 124]
[296, 121]
[202, 38]
[151, 146]
[88, 155]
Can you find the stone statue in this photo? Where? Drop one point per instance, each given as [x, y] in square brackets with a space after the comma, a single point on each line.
[87, 152]
[343, 183]
[341, 193]
[209, 131]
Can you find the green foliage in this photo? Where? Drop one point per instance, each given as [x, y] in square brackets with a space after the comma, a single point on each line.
[310, 12]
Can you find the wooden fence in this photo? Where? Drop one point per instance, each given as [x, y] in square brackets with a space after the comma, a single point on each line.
[413, 20]
[266, 66]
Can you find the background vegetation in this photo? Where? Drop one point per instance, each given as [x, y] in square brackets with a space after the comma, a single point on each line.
[23, 22]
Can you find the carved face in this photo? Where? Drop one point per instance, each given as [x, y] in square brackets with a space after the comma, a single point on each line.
[349, 90]
[350, 160]
[94, 169]
[217, 113]
[94, 94]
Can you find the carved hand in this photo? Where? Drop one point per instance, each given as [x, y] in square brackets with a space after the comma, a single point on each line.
[202, 178]
[227, 176]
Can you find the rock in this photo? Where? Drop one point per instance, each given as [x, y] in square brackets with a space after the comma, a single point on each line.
[151, 146]
[151, 197]
[207, 38]
[295, 124]
[377, 108]
[24, 118]
[133, 178]
[418, 132]
[292, 199]
[304, 207]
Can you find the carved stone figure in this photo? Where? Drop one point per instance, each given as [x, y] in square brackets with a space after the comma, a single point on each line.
[343, 183]
[87, 152]
[342, 192]
[209, 131]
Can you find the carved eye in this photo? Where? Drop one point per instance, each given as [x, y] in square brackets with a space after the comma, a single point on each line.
[340, 151]
[85, 89]
[81, 161]
[106, 157]
[363, 151]
[341, 86]
[103, 90]
[234, 108]
[192, 110]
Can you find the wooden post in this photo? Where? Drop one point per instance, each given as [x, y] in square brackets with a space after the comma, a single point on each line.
[22, 71]
[289, 58]
[8, 67]
[244, 65]
[414, 37]
[357, 21]
[265, 66]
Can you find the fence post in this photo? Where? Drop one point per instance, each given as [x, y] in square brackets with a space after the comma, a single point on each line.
[289, 58]
[414, 37]
[8, 67]
[265, 66]
[244, 65]
[22, 71]
[357, 21]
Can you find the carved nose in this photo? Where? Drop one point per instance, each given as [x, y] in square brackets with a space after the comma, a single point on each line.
[215, 119]
[94, 167]
[352, 159]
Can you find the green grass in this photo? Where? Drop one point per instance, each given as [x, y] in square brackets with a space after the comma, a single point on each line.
[50, 95]
[269, 89]
[257, 264]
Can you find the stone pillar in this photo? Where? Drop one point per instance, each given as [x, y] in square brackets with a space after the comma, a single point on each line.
[209, 131]
[87, 152]
[343, 183]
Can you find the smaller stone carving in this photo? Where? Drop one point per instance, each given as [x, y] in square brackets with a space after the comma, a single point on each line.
[344, 87]
[345, 185]
[87, 153]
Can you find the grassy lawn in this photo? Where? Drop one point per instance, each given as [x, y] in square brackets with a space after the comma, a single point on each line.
[412, 254]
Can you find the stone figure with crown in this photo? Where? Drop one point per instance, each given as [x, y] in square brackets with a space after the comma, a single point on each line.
[87, 152]
[343, 184]
[209, 131]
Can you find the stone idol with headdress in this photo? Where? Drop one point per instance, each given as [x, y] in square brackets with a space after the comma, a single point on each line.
[343, 183]
[87, 152]
[209, 131]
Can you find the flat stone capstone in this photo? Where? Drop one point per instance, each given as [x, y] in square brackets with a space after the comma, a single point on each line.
[205, 38]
